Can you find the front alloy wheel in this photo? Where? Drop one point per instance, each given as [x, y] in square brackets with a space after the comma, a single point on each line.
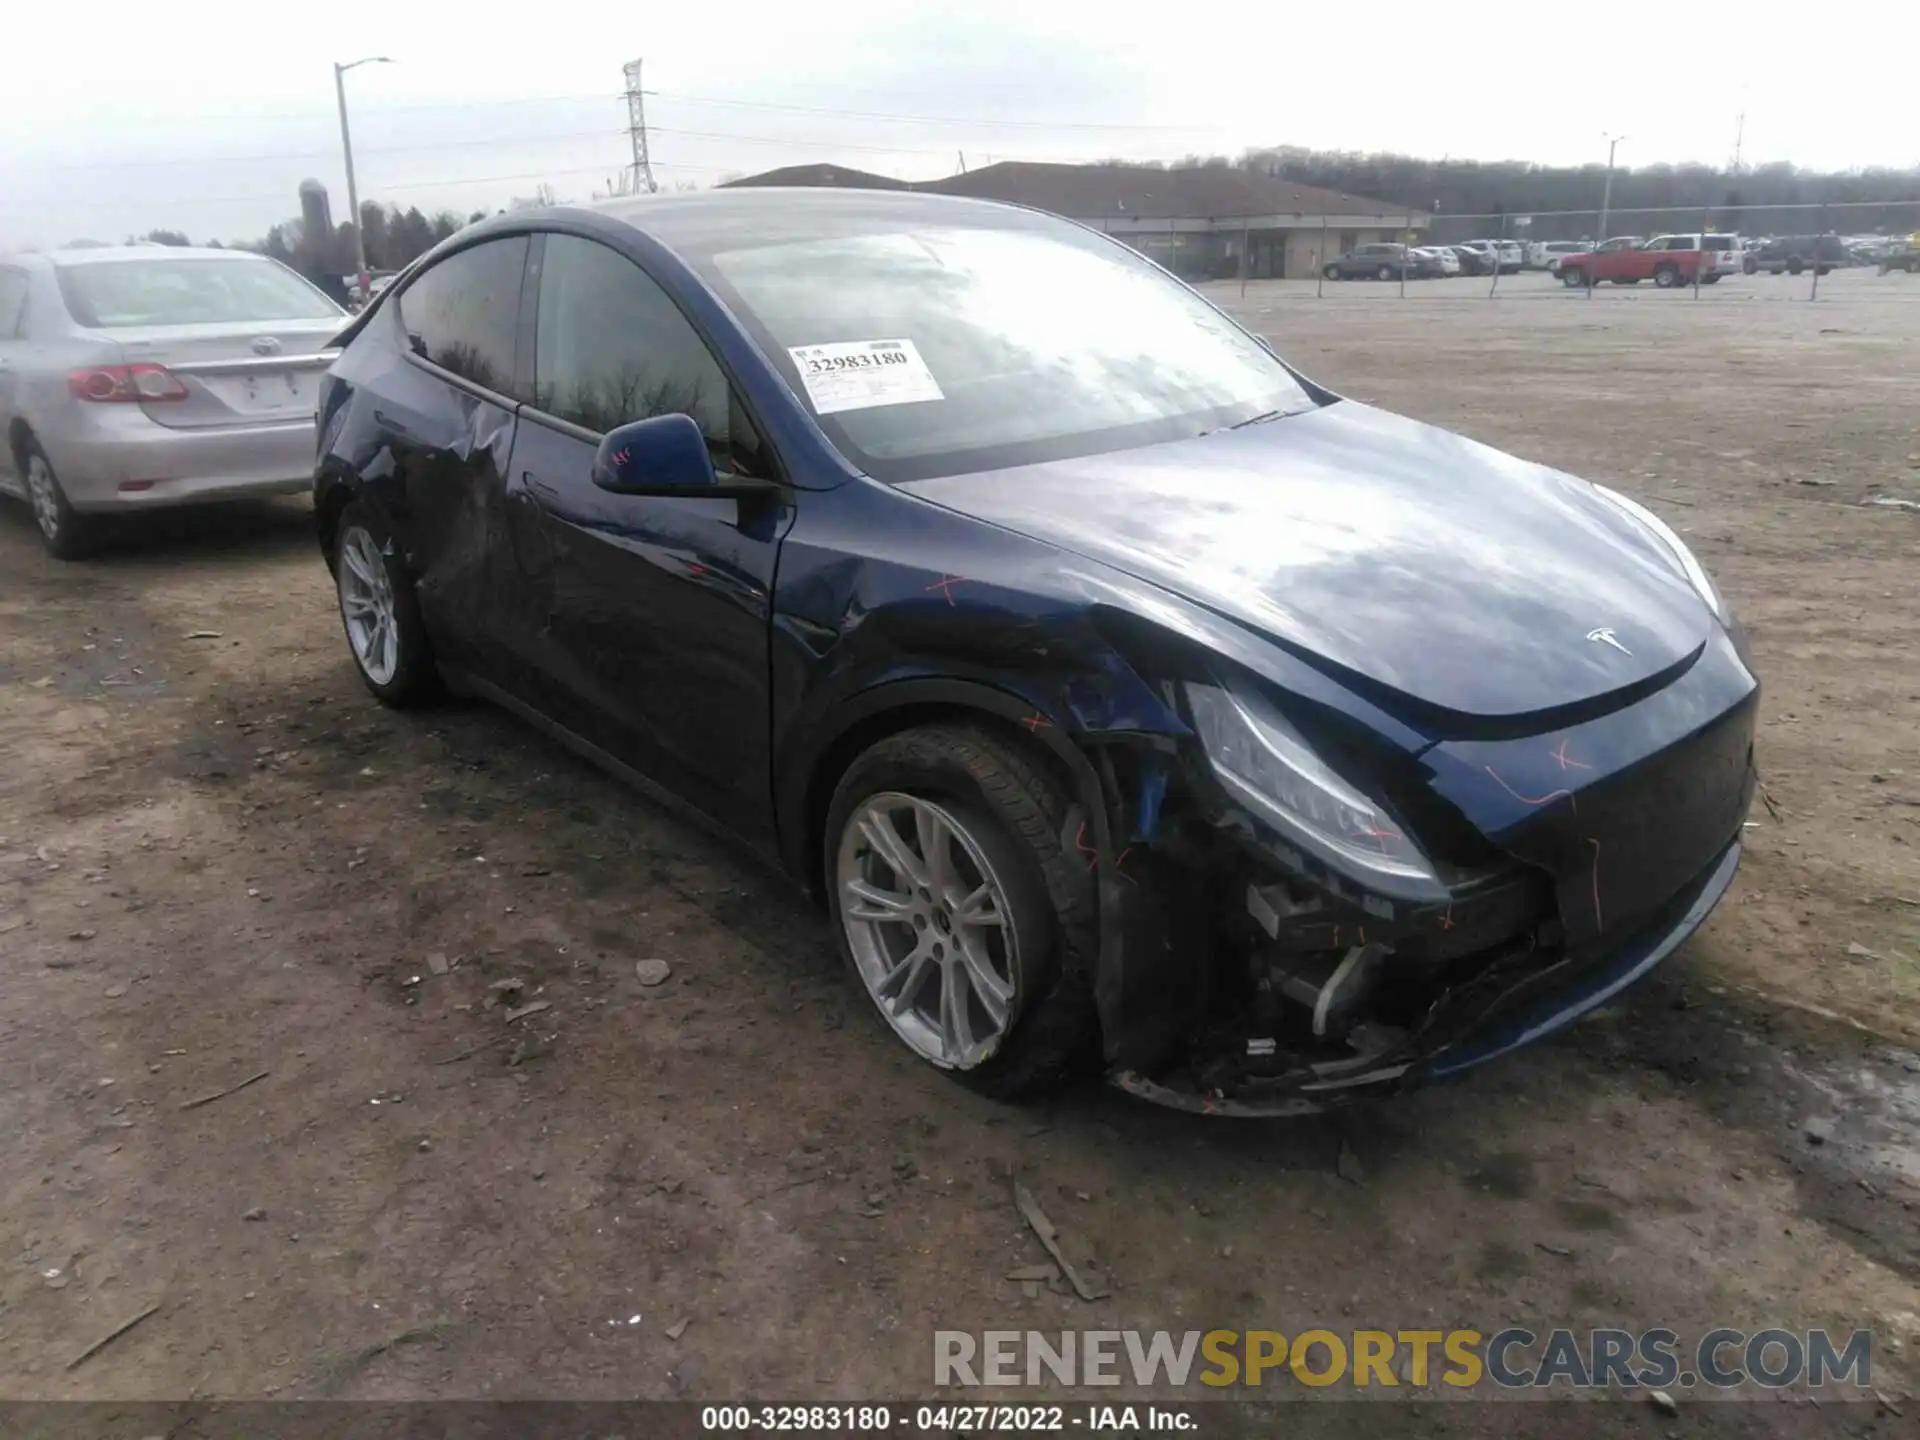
[929, 927]
[961, 891]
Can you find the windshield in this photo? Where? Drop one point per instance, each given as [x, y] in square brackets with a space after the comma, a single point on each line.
[943, 350]
[109, 294]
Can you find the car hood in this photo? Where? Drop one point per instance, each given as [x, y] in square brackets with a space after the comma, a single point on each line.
[1384, 550]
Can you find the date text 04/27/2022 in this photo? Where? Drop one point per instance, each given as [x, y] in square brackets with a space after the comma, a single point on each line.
[948, 1419]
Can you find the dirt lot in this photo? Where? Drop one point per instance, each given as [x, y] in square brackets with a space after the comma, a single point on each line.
[220, 859]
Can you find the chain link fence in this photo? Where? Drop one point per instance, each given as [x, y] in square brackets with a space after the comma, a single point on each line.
[1860, 250]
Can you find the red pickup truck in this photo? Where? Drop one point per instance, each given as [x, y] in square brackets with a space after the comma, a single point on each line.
[1667, 260]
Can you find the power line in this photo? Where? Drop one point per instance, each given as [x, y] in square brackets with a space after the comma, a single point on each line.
[802, 144]
[633, 98]
[929, 119]
[502, 140]
[408, 187]
[576, 97]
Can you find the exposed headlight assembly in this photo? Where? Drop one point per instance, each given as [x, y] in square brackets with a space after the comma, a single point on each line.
[1683, 557]
[1266, 765]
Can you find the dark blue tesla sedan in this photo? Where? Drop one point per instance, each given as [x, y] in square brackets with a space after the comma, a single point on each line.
[1125, 696]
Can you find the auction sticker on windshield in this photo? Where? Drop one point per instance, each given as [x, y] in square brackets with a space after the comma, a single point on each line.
[860, 374]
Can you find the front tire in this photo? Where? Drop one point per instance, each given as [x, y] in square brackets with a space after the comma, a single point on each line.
[962, 908]
[1666, 276]
[1572, 277]
[67, 534]
[1332, 272]
[1386, 272]
[381, 613]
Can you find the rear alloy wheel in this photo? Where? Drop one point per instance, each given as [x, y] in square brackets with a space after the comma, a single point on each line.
[66, 533]
[1666, 276]
[959, 907]
[380, 613]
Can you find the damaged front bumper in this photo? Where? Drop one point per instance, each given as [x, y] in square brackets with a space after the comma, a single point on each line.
[1514, 1001]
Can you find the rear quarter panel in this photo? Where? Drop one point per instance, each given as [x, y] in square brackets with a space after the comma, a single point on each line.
[430, 459]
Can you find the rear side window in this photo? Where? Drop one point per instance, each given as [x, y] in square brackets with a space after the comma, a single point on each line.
[462, 314]
[117, 294]
[611, 347]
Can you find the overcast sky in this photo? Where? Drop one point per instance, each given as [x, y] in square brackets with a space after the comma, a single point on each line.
[121, 117]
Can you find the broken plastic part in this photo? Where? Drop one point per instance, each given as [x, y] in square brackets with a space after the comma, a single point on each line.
[1332, 989]
[1153, 793]
[1270, 904]
[1347, 987]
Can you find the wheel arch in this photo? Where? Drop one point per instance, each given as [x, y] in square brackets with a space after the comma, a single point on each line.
[335, 487]
[887, 709]
[19, 436]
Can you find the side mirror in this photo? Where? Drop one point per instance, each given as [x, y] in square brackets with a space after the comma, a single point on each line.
[662, 455]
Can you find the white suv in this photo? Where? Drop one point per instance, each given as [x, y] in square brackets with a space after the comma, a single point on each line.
[1547, 254]
[1728, 251]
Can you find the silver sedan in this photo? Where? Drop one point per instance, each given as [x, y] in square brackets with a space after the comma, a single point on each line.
[153, 376]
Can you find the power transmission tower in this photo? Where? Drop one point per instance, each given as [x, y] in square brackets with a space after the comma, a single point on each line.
[642, 168]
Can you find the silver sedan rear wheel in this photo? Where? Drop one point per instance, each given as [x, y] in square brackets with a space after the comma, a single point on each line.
[46, 498]
[366, 605]
[930, 928]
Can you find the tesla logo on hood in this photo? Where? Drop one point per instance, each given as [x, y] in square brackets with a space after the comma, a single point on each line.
[266, 345]
[1605, 636]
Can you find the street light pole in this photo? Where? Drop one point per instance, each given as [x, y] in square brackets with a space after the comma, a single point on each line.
[1606, 191]
[1606, 203]
[346, 147]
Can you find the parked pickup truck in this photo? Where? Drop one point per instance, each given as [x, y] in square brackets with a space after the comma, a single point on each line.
[1667, 260]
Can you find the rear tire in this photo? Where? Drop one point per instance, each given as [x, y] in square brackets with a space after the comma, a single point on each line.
[67, 534]
[380, 612]
[1008, 827]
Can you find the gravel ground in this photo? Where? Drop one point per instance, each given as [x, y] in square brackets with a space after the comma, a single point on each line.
[220, 860]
